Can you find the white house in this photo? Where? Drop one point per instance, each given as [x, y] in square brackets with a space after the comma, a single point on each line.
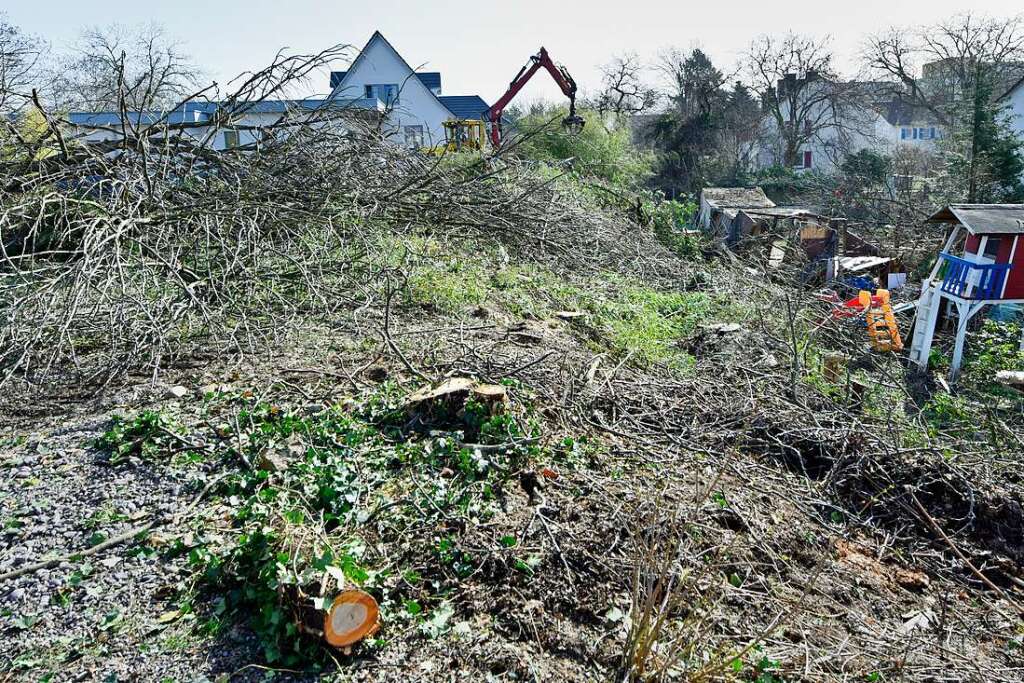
[862, 115]
[1014, 101]
[415, 105]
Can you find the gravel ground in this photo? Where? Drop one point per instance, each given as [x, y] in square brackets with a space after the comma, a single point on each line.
[84, 619]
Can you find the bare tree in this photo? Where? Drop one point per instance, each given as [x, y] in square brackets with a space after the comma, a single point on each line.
[623, 91]
[956, 70]
[20, 57]
[803, 96]
[941, 66]
[140, 67]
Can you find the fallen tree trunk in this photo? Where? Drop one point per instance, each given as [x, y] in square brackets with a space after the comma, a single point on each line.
[1011, 378]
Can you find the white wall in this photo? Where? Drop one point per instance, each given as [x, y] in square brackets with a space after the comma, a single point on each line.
[864, 129]
[379, 64]
[1015, 111]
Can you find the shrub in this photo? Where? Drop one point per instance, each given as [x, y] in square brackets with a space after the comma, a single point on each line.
[597, 152]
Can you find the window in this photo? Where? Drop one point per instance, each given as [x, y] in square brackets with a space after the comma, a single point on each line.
[230, 139]
[386, 93]
[807, 159]
[414, 136]
[991, 248]
[904, 133]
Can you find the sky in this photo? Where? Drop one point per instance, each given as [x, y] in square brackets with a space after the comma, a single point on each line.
[480, 46]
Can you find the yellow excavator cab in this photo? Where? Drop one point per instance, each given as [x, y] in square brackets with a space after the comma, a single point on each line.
[462, 135]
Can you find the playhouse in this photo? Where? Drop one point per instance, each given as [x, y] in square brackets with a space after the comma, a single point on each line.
[981, 264]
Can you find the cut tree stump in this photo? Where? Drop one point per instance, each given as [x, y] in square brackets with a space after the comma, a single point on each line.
[352, 616]
[449, 397]
[493, 396]
[454, 390]
[833, 367]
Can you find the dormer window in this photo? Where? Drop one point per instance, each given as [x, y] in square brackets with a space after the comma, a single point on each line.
[386, 92]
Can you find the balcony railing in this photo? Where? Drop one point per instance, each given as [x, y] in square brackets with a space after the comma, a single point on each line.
[970, 280]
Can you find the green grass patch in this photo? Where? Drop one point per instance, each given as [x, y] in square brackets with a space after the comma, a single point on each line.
[626, 318]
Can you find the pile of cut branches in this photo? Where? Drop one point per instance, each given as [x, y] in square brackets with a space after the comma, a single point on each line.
[126, 248]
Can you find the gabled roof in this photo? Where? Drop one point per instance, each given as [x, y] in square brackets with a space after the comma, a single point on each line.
[984, 219]
[900, 112]
[431, 79]
[378, 36]
[1013, 87]
[465, 106]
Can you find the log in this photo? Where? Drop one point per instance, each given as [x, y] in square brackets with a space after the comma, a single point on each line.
[1011, 378]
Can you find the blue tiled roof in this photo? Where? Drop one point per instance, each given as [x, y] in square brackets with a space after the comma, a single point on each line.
[431, 79]
[465, 106]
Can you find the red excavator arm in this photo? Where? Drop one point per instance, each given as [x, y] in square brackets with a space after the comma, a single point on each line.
[562, 78]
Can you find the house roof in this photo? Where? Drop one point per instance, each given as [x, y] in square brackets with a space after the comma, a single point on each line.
[900, 112]
[431, 79]
[465, 106]
[736, 197]
[1013, 87]
[377, 35]
[984, 219]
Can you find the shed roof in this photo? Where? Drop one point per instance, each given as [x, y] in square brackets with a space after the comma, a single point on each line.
[781, 212]
[736, 197]
[984, 219]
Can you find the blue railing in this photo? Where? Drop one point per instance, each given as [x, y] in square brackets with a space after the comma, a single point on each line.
[987, 278]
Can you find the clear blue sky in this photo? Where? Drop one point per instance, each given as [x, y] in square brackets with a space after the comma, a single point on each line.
[479, 46]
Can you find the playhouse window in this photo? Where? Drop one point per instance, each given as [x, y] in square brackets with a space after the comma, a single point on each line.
[991, 248]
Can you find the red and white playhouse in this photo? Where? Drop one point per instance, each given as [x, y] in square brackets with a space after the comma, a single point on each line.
[981, 264]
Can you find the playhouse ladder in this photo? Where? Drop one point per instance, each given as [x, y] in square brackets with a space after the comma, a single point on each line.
[882, 328]
[924, 325]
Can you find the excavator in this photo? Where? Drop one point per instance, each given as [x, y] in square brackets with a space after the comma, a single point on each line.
[469, 134]
[573, 123]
